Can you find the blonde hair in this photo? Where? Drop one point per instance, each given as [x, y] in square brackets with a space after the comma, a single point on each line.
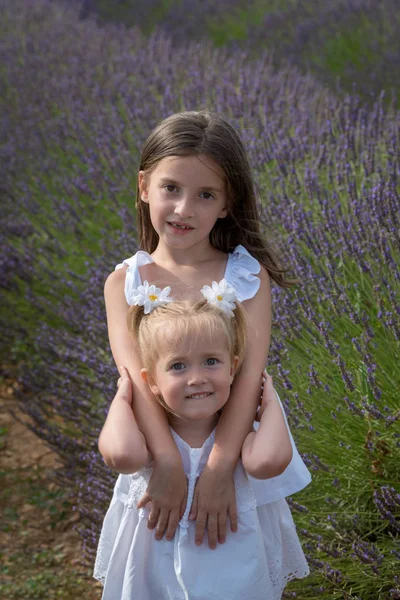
[182, 319]
[193, 133]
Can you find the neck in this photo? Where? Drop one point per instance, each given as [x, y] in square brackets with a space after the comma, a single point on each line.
[196, 432]
[165, 255]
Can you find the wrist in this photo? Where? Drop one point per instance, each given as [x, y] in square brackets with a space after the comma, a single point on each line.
[121, 399]
[171, 458]
[222, 462]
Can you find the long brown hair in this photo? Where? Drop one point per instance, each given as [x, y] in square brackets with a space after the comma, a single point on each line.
[203, 132]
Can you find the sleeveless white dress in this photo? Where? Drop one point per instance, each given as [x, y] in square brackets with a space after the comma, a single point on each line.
[255, 563]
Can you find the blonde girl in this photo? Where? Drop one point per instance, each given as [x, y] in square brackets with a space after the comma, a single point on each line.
[191, 352]
[198, 222]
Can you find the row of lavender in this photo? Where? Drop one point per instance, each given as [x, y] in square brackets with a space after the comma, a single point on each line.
[355, 41]
[79, 102]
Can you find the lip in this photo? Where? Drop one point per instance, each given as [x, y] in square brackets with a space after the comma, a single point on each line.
[182, 228]
[198, 395]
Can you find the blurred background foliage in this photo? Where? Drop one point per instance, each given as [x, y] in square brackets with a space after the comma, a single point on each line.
[352, 46]
[312, 87]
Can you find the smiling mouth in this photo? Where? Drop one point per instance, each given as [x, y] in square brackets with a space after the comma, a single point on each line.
[179, 225]
[199, 396]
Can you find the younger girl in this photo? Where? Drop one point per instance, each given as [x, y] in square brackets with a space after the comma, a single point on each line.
[198, 222]
[191, 352]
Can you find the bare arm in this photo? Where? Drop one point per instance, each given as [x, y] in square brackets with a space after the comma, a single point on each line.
[238, 414]
[167, 489]
[268, 451]
[215, 493]
[150, 416]
[130, 452]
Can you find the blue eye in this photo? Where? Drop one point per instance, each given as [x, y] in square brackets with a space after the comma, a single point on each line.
[210, 362]
[177, 366]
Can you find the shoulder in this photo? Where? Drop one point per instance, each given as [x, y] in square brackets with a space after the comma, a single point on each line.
[115, 283]
[126, 276]
[116, 278]
[114, 289]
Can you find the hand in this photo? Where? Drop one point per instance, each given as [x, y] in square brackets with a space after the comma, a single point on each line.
[268, 393]
[167, 492]
[214, 499]
[124, 385]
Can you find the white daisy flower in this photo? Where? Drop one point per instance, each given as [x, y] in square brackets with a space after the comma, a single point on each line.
[150, 296]
[221, 295]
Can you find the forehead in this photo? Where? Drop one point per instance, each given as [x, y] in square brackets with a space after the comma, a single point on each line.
[196, 169]
[177, 340]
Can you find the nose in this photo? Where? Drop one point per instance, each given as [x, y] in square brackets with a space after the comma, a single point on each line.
[196, 376]
[184, 208]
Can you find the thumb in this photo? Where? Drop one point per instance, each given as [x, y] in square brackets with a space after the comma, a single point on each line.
[145, 499]
[268, 390]
[123, 371]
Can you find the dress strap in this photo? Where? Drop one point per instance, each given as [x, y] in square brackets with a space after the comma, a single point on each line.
[132, 278]
[241, 273]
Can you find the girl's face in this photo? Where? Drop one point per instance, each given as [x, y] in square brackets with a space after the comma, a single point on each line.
[186, 195]
[194, 376]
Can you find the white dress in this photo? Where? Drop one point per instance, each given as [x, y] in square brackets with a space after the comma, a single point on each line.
[255, 563]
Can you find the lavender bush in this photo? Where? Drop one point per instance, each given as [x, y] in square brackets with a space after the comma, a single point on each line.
[80, 100]
[351, 43]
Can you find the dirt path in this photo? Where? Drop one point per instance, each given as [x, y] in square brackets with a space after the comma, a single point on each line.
[40, 551]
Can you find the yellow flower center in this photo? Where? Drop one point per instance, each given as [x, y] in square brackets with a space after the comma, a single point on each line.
[153, 298]
[220, 297]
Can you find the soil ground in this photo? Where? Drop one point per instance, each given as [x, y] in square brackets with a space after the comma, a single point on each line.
[41, 553]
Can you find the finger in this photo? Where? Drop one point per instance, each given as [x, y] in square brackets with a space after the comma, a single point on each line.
[268, 391]
[161, 523]
[201, 522]
[145, 499]
[233, 518]
[153, 517]
[194, 509]
[212, 530]
[124, 385]
[183, 506]
[172, 524]
[222, 527]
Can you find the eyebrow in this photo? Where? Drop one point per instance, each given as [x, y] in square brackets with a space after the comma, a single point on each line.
[211, 188]
[181, 358]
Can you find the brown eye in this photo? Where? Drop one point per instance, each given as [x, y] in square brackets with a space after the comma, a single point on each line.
[207, 195]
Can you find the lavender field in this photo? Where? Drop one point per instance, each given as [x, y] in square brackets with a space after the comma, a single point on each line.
[79, 98]
[352, 45]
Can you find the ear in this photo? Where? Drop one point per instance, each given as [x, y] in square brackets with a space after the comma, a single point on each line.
[223, 213]
[148, 379]
[234, 366]
[143, 186]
